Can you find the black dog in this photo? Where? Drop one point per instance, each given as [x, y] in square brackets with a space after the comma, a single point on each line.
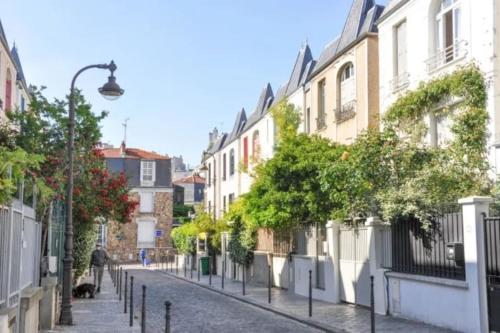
[83, 290]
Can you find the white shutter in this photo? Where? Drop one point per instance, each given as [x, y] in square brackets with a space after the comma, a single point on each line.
[402, 49]
[145, 234]
[146, 202]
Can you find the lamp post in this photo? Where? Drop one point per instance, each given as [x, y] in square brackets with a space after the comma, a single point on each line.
[110, 90]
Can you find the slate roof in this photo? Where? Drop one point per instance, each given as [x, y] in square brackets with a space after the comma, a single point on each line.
[361, 19]
[265, 101]
[2, 35]
[19, 67]
[239, 124]
[133, 153]
[299, 70]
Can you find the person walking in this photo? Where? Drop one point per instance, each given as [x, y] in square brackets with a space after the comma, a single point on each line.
[142, 254]
[97, 261]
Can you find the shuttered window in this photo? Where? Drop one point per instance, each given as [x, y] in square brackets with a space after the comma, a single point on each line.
[401, 49]
[146, 202]
[145, 234]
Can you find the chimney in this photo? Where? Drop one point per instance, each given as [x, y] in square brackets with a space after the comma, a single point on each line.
[122, 149]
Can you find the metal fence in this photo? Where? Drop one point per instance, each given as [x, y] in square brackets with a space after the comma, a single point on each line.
[30, 267]
[415, 251]
[4, 259]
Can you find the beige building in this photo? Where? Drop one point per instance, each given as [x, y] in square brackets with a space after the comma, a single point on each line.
[341, 95]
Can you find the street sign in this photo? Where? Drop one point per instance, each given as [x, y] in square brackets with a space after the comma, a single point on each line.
[158, 233]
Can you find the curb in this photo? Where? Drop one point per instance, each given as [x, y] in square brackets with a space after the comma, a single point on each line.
[311, 323]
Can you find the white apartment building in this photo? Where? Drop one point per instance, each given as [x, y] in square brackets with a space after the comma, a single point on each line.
[423, 39]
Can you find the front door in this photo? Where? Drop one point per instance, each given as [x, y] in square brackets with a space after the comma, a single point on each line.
[492, 249]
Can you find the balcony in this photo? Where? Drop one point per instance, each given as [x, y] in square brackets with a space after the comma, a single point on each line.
[346, 111]
[452, 53]
[400, 82]
[321, 121]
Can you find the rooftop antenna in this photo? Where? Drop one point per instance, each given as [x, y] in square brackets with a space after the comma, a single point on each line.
[124, 124]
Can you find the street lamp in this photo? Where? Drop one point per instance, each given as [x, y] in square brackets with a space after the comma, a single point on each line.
[110, 90]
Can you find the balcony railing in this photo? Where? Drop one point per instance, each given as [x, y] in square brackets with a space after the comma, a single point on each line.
[321, 121]
[346, 111]
[453, 52]
[401, 81]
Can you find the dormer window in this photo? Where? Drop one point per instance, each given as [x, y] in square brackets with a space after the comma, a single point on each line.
[148, 173]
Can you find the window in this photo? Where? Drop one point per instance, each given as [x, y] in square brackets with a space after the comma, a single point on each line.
[224, 203]
[245, 151]
[146, 202]
[321, 104]
[147, 173]
[209, 206]
[8, 91]
[256, 145]
[231, 162]
[224, 167]
[231, 198]
[346, 93]
[448, 31]
[102, 237]
[400, 56]
[146, 234]
[23, 104]
[209, 174]
[307, 121]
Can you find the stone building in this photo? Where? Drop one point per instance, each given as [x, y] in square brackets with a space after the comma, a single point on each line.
[150, 182]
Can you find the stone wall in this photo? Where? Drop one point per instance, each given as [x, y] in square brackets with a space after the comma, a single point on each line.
[122, 238]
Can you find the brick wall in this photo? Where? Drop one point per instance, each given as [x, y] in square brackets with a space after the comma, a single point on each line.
[122, 238]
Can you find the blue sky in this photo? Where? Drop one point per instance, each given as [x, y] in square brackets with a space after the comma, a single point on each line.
[186, 65]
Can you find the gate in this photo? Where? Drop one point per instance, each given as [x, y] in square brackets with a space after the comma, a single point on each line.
[354, 266]
[492, 250]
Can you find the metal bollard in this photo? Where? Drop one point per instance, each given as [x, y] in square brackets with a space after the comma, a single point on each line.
[372, 305]
[223, 273]
[185, 267]
[125, 294]
[243, 280]
[199, 269]
[310, 294]
[210, 271]
[143, 310]
[167, 316]
[117, 279]
[176, 265]
[269, 284]
[120, 288]
[131, 301]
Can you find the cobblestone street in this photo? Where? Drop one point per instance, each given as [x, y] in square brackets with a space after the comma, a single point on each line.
[195, 309]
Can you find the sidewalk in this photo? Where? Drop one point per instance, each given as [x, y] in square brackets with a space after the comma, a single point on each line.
[326, 316]
[104, 313]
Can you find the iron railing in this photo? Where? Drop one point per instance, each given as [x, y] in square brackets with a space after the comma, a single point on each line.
[415, 251]
[346, 111]
[442, 57]
[321, 121]
[400, 81]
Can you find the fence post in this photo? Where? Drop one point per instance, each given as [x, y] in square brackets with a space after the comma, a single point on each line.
[131, 301]
[243, 280]
[372, 305]
[176, 265]
[171, 265]
[125, 294]
[167, 317]
[143, 310]
[120, 288]
[223, 273]
[199, 268]
[191, 266]
[185, 265]
[210, 270]
[310, 294]
[269, 284]
[117, 279]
